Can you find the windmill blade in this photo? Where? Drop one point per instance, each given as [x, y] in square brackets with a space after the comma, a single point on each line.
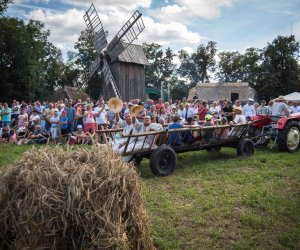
[127, 34]
[84, 77]
[109, 79]
[94, 24]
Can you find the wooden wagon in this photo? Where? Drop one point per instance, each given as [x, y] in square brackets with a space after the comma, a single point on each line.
[158, 146]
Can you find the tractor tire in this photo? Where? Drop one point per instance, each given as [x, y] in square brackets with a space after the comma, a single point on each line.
[163, 161]
[288, 139]
[245, 147]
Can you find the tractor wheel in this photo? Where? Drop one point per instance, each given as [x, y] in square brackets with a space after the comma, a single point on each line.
[288, 139]
[163, 161]
[245, 147]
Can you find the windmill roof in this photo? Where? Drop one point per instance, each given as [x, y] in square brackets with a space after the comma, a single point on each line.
[133, 54]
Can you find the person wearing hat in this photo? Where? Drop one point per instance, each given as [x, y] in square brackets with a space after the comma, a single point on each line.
[144, 142]
[279, 108]
[207, 134]
[249, 109]
[239, 118]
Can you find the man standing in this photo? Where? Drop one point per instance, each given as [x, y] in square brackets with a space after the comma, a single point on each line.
[249, 109]
[279, 107]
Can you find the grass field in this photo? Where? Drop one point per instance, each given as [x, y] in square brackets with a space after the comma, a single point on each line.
[220, 201]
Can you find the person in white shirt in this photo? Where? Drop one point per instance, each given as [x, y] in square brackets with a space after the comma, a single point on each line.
[280, 108]
[187, 112]
[249, 109]
[215, 110]
[295, 108]
[101, 115]
[130, 123]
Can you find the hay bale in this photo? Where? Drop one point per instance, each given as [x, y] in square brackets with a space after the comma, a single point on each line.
[75, 199]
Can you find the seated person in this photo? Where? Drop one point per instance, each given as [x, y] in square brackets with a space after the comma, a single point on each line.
[78, 137]
[90, 136]
[12, 136]
[221, 133]
[37, 136]
[239, 118]
[188, 136]
[175, 138]
[207, 134]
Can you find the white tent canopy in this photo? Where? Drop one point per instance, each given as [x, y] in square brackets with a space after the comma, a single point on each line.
[295, 96]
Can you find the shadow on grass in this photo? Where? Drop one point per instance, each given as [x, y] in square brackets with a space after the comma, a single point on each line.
[189, 159]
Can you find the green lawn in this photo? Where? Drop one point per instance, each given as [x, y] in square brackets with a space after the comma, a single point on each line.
[218, 200]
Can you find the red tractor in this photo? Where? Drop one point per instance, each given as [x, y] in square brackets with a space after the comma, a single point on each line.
[285, 131]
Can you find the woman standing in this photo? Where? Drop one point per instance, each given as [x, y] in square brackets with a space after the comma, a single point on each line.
[89, 120]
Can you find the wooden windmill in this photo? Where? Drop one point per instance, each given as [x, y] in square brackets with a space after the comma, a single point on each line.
[108, 52]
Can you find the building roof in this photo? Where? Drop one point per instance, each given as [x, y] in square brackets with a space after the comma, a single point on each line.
[133, 54]
[224, 84]
[70, 93]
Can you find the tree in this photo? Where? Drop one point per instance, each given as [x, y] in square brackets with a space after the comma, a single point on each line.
[3, 5]
[230, 66]
[188, 68]
[196, 68]
[79, 61]
[279, 73]
[27, 61]
[161, 67]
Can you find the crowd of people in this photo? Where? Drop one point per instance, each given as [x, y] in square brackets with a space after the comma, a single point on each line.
[76, 121]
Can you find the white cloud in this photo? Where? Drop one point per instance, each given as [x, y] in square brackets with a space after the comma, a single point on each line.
[64, 27]
[103, 4]
[168, 33]
[184, 10]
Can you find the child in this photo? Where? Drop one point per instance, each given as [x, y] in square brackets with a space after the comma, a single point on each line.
[90, 136]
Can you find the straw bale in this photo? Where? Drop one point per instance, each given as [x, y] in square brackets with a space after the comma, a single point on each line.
[88, 198]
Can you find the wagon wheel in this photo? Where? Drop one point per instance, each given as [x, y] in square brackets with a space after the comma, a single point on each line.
[136, 160]
[245, 147]
[163, 161]
[289, 138]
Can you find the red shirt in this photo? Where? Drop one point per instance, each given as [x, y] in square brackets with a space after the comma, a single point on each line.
[202, 112]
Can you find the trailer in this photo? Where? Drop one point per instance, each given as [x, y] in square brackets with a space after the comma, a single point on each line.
[162, 146]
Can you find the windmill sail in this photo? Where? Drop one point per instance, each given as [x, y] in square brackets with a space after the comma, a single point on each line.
[108, 77]
[127, 34]
[94, 24]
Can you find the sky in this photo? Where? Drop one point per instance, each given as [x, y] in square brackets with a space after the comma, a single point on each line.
[179, 24]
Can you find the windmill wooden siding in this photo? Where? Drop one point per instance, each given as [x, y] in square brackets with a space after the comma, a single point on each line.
[129, 74]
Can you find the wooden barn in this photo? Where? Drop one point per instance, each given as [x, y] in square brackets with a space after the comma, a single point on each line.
[128, 71]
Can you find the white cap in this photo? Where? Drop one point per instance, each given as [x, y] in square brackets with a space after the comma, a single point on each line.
[251, 100]
[79, 126]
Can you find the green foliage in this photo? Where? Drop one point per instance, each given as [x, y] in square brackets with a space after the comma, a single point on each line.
[196, 68]
[161, 66]
[79, 62]
[30, 67]
[3, 5]
[279, 71]
[230, 66]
